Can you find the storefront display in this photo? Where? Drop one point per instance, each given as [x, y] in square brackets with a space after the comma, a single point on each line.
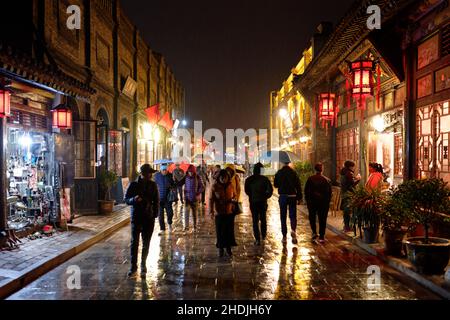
[30, 177]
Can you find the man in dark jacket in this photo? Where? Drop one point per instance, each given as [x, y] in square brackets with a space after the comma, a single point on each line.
[348, 183]
[165, 183]
[142, 194]
[290, 194]
[259, 189]
[318, 197]
[178, 176]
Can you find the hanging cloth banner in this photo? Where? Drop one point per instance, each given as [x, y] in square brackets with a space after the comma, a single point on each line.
[153, 114]
[166, 122]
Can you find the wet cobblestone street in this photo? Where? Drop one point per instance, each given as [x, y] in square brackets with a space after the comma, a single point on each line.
[186, 265]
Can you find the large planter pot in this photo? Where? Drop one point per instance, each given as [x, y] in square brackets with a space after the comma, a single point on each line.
[428, 258]
[370, 235]
[393, 242]
[419, 231]
[105, 207]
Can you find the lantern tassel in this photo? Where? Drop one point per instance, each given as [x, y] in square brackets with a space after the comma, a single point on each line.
[378, 85]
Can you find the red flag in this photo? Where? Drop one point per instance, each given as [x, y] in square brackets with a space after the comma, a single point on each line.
[166, 122]
[153, 114]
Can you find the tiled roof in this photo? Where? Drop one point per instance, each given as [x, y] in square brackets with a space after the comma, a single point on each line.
[25, 67]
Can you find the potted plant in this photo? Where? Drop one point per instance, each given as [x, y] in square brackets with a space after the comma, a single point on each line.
[107, 179]
[425, 198]
[396, 221]
[366, 209]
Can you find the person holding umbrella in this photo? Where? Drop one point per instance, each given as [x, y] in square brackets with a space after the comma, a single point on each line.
[290, 194]
[165, 183]
[143, 196]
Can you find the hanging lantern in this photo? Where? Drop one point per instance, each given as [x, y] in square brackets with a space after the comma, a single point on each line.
[328, 108]
[62, 117]
[5, 103]
[362, 73]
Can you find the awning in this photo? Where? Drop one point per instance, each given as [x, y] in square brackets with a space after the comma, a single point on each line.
[15, 64]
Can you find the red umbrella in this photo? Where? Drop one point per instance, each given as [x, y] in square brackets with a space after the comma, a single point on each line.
[184, 166]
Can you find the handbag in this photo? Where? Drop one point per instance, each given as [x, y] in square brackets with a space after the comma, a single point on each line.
[173, 195]
[237, 208]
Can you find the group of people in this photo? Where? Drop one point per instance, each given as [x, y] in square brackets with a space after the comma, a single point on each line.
[152, 199]
[348, 182]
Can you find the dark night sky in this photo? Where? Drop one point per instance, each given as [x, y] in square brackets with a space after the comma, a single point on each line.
[229, 54]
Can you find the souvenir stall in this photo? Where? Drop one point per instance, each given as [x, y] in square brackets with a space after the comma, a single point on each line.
[38, 161]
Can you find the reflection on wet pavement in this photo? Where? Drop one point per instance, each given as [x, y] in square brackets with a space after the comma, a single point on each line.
[186, 265]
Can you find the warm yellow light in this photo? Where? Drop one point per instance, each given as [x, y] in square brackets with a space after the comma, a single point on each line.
[157, 135]
[147, 131]
[304, 139]
[378, 123]
[283, 113]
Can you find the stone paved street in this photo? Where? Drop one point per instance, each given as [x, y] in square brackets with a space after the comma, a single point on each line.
[186, 266]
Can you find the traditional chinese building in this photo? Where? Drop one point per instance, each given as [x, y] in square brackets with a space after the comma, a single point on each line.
[383, 95]
[104, 75]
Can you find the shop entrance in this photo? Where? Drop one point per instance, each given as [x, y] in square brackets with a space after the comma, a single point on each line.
[30, 179]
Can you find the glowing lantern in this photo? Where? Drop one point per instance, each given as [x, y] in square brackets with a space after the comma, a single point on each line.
[62, 117]
[362, 75]
[328, 108]
[5, 103]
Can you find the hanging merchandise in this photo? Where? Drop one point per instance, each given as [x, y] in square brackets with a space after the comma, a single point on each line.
[29, 179]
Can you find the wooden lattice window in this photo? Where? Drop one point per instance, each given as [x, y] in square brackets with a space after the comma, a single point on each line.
[445, 43]
[347, 148]
[398, 155]
[433, 135]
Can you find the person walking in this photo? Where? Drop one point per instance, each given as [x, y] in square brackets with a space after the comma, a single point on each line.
[290, 194]
[201, 172]
[318, 196]
[235, 180]
[179, 176]
[143, 196]
[375, 180]
[222, 199]
[165, 183]
[216, 172]
[348, 183]
[259, 190]
[193, 190]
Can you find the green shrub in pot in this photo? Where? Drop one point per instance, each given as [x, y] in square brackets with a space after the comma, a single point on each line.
[425, 199]
[396, 221]
[366, 213]
[107, 179]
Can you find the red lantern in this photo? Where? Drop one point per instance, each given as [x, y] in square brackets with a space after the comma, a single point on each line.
[328, 108]
[362, 81]
[5, 103]
[62, 117]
